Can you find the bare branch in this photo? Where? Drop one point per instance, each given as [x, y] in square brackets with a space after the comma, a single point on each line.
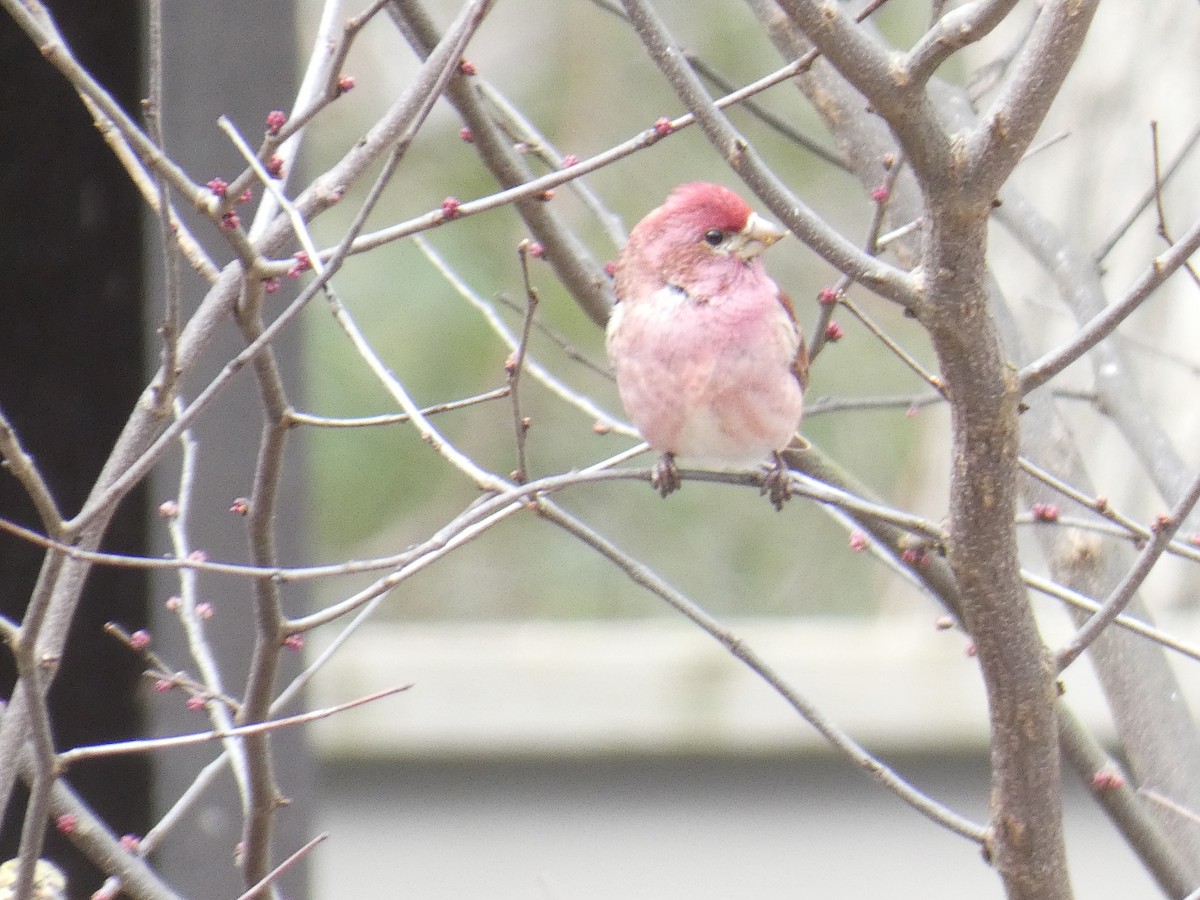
[934, 381]
[273, 875]
[96, 839]
[189, 615]
[958, 28]
[1159, 207]
[1148, 197]
[838, 739]
[1009, 125]
[876, 72]
[172, 312]
[395, 131]
[741, 157]
[574, 265]
[1124, 620]
[1103, 324]
[519, 124]
[1102, 777]
[516, 363]
[73, 757]
[300, 418]
[557, 386]
[837, 294]
[21, 465]
[1123, 593]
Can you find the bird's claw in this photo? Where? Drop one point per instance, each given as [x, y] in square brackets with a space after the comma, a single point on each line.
[665, 476]
[776, 484]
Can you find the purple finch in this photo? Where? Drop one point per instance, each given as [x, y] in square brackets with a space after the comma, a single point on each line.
[710, 362]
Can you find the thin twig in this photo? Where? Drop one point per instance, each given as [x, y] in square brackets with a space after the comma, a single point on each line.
[318, 89]
[518, 122]
[169, 330]
[1184, 549]
[879, 550]
[1045, 145]
[807, 486]
[486, 480]
[1099, 505]
[886, 280]
[776, 124]
[514, 494]
[406, 117]
[1101, 776]
[1123, 592]
[274, 874]
[1129, 623]
[898, 233]
[300, 418]
[158, 670]
[837, 738]
[149, 745]
[21, 466]
[1147, 198]
[560, 340]
[1167, 803]
[934, 381]
[871, 246]
[515, 365]
[1163, 231]
[1105, 322]
[602, 417]
[909, 402]
[189, 617]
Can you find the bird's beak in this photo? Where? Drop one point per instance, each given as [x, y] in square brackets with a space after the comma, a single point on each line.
[757, 236]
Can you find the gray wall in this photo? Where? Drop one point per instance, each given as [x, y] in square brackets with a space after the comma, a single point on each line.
[694, 828]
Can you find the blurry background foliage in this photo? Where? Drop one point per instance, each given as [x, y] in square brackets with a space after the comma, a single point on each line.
[580, 76]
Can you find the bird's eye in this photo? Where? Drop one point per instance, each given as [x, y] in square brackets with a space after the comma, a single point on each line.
[713, 237]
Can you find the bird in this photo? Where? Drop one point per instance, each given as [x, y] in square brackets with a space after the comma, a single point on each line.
[710, 362]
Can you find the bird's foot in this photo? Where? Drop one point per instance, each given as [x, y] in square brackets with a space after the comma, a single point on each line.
[665, 476]
[776, 483]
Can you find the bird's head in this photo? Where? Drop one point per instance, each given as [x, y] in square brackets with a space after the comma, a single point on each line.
[700, 227]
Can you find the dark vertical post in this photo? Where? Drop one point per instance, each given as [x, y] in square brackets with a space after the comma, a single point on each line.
[71, 366]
